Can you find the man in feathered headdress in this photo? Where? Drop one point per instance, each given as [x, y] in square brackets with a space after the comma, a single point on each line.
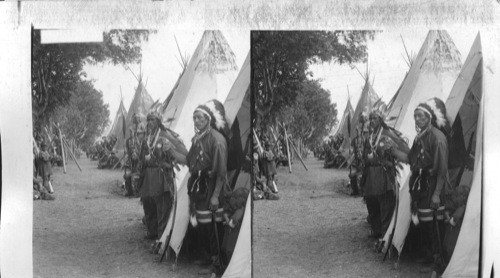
[428, 159]
[158, 158]
[379, 176]
[208, 184]
[357, 146]
[133, 149]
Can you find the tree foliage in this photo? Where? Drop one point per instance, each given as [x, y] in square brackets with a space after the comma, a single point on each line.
[85, 116]
[57, 72]
[311, 116]
[57, 68]
[281, 59]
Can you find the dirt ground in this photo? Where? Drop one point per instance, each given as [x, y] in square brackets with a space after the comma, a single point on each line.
[314, 230]
[317, 230]
[92, 230]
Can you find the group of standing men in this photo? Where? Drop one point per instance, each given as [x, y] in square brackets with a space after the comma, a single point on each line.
[154, 151]
[380, 151]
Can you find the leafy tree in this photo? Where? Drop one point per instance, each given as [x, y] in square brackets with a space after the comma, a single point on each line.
[56, 69]
[281, 59]
[311, 116]
[85, 116]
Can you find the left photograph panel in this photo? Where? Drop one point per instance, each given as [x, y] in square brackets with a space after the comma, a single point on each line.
[141, 153]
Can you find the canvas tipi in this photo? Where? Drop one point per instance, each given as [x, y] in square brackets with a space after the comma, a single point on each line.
[119, 123]
[395, 96]
[140, 104]
[237, 106]
[365, 103]
[432, 74]
[343, 128]
[490, 232]
[210, 73]
[409, 62]
[464, 103]
[183, 61]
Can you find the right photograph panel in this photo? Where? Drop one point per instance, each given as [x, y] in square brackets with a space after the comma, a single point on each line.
[367, 153]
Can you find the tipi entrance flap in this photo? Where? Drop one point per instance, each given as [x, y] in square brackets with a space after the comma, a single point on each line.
[241, 263]
[465, 259]
[419, 86]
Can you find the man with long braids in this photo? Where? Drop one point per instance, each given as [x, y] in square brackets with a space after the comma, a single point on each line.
[428, 159]
[379, 176]
[133, 146]
[158, 159]
[208, 184]
[357, 165]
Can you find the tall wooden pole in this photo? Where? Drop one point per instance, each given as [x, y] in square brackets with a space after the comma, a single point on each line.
[73, 145]
[72, 154]
[50, 140]
[276, 141]
[288, 151]
[62, 149]
[259, 145]
[298, 154]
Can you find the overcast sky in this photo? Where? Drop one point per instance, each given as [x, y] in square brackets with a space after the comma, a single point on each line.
[160, 67]
[386, 64]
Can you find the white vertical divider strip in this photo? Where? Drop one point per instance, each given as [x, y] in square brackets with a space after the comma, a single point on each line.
[16, 228]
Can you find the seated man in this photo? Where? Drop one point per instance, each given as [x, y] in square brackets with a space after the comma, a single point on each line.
[261, 190]
[234, 211]
[39, 192]
[455, 204]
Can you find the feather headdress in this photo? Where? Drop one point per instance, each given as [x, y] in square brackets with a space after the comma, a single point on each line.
[436, 110]
[216, 113]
